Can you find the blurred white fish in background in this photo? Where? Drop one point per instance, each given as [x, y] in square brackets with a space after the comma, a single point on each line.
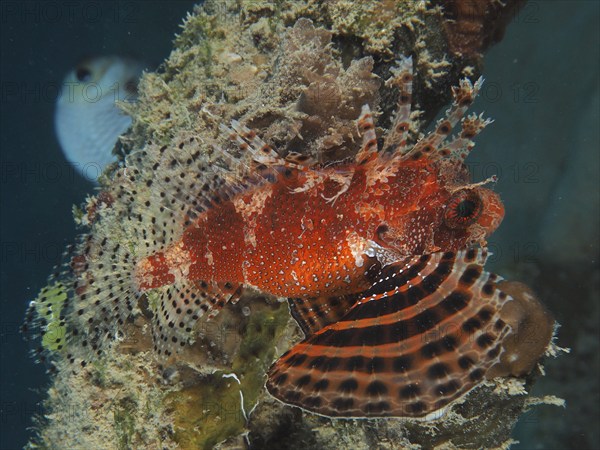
[87, 119]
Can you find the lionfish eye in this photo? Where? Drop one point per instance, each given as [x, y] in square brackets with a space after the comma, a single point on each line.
[463, 209]
[83, 74]
[466, 209]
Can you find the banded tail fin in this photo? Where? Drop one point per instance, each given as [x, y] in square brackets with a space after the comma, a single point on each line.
[86, 302]
[151, 200]
[426, 333]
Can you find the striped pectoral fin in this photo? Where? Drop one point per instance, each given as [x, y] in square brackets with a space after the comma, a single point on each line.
[314, 313]
[425, 334]
[177, 309]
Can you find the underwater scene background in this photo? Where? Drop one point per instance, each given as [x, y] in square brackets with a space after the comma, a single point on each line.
[41, 42]
[541, 88]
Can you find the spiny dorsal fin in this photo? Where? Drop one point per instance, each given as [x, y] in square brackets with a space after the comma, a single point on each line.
[402, 76]
[268, 159]
[435, 145]
[249, 141]
[425, 334]
[300, 159]
[366, 126]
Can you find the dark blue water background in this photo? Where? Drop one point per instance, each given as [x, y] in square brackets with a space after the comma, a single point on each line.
[41, 41]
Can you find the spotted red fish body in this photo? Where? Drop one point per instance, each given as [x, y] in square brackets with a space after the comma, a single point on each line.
[310, 231]
[381, 259]
[290, 240]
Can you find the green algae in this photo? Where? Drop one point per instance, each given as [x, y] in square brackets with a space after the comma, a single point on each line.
[78, 214]
[256, 351]
[213, 410]
[99, 373]
[48, 306]
[153, 297]
[260, 332]
[124, 412]
[207, 413]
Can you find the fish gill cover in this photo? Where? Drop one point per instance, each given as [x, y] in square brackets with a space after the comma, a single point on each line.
[370, 228]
